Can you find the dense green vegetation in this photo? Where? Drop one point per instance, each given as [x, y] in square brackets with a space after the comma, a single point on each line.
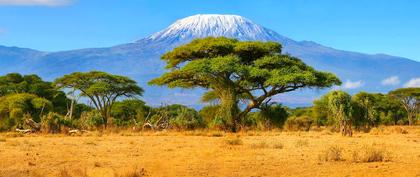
[240, 79]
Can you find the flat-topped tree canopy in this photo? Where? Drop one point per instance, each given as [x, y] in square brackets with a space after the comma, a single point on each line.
[255, 70]
[101, 88]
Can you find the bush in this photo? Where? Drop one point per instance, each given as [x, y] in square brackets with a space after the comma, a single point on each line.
[272, 116]
[125, 112]
[175, 116]
[302, 123]
[187, 119]
[90, 120]
[54, 123]
[208, 114]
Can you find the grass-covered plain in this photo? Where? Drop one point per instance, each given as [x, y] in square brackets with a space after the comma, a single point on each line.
[385, 151]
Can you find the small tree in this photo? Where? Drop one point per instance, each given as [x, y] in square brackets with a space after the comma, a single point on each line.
[239, 70]
[410, 100]
[339, 103]
[101, 88]
[320, 111]
[367, 104]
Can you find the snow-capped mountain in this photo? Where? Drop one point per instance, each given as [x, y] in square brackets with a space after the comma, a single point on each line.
[199, 26]
[140, 59]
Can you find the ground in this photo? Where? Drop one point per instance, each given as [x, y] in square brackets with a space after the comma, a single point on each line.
[202, 153]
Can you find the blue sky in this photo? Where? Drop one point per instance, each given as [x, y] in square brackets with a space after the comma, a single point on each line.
[374, 26]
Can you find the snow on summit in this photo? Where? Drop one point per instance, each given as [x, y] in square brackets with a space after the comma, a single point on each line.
[198, 26]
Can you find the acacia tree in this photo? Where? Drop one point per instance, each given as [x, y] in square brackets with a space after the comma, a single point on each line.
[410, 100]
[339, 104]
[234, 70]
[101, 88]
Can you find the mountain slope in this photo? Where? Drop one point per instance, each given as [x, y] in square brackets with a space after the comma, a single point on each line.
[140, 59]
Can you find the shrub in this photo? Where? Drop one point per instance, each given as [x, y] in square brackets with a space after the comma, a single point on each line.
[90, 120]
[270, 116]
[302, 123]
[53, 123]
[187, 119]
[208, 113]
[124, 112]
[176, 116]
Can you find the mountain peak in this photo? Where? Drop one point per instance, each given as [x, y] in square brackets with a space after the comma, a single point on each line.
[204, 25]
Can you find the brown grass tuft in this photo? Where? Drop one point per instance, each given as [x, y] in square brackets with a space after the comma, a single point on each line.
[259, 145]
[133, 172]
[234, 141]
[302, 143]
[72, 173]
[370, 153]
[278, 146]
[333, 153]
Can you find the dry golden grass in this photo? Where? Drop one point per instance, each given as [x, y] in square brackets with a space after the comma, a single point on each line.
[392, 151]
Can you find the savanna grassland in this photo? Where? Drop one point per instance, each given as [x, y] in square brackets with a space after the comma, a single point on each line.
[384, 151]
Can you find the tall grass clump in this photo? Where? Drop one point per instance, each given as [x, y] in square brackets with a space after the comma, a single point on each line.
[332, 153]
[234, 141]
[370, 153]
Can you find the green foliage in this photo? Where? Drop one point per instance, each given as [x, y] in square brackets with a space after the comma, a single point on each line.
[340, 105]
[176, 116]
[54, 123]
[208, 113]
[90, 120]
[101, 88]
[14, 106]
[320, 112]
[409, 98]
[234, 70]
[127, 112]
[187, 119]
[79, 109]
[299, 123]
[15, 83]
[270, 116]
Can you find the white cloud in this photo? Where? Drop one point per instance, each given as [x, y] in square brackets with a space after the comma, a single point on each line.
[352, 85]
[393, 80]
[414, 82]
[35, 2]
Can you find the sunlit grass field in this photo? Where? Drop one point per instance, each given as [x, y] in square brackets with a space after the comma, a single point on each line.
[384, 151]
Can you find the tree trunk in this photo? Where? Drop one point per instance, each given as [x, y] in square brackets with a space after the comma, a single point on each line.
[71, 109]
[105, 118]
[229, 110]
[410, 118]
